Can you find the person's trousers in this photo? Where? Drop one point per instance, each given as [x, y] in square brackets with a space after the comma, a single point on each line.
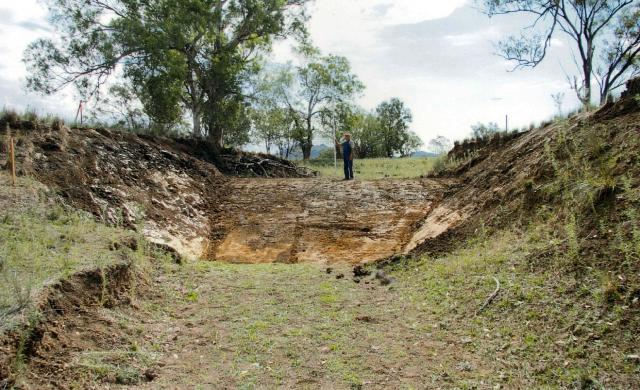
[348, 169]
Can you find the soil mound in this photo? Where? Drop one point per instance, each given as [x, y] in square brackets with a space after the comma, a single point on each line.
[69, 320]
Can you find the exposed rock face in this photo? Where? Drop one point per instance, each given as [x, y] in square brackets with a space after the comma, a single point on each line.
[320, 220]
[157, 187]
[141, 183]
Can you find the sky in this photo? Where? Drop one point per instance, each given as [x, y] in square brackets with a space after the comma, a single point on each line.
[437, 56]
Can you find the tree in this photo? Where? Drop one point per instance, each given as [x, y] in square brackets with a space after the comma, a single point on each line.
[394, 119]
[412, 142]
[605, 30]
[124, 108]
[367, 137]
[192, 54]
[440, 145]
[340, 118]
[482, 131]
[274, 123]
[319, 84]
[267, 126]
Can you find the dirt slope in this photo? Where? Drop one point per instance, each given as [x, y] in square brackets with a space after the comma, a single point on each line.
[508, 180]
[143, 184]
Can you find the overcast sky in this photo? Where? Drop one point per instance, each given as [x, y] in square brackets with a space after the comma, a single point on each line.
[437, 56]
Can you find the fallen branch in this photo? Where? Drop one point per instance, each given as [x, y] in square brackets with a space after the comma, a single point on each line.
[491, 297]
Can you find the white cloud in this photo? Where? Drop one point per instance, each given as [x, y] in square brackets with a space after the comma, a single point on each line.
[21, 23]
[468, 39]
[352, 23]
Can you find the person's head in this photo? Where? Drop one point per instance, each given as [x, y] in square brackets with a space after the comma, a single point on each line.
[347, 136]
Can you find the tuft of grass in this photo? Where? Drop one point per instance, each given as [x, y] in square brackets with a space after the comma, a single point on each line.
[118, 367]
[447, 164]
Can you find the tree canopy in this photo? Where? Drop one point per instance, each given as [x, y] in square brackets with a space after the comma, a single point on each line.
[178, 55]
[605, 35]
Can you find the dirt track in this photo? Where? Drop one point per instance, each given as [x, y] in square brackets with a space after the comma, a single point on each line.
[320, 220]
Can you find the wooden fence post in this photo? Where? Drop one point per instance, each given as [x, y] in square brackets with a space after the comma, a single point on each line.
[12, 153]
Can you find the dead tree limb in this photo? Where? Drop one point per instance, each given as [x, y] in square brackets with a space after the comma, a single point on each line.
[491, 297]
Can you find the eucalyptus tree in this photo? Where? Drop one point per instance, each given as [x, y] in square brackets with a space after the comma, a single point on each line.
[337, 119]
[411, 143]
[440, 145]
[367, 136]
[605, 37]
[191, 54]
[394, 119]
[273, 122]
[316, 86]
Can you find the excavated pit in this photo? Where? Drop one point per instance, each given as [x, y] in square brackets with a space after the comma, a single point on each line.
[185, 203]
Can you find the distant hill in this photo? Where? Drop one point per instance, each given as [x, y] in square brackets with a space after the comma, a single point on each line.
[315, 152]
[422, 153]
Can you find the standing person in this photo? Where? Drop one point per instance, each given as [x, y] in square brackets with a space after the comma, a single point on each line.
[347, 156]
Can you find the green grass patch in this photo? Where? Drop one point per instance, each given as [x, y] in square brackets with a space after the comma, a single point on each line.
[42, 243]
[376, 168]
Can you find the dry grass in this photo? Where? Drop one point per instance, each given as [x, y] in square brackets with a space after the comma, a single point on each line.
[377, 168]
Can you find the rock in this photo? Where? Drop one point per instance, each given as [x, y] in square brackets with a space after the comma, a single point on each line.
[384, 279]
[635, 358]
[464, 366]
[366, 319]
[360, 271]
[150, 374]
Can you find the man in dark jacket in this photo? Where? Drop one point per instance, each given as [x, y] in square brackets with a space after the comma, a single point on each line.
[347, 156]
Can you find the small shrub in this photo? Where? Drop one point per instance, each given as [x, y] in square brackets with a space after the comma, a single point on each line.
[10, 118]
[57, 123]
[30, 116]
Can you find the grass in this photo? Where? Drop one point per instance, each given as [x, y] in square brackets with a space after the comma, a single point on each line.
[376, 168]
[546, 329]
[118, 366]
[41, 242]
[294, 326]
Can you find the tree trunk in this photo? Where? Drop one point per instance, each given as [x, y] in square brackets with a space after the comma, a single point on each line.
[307, 144]
[587, 70]
[306, 150]
[339, 151]
[197, 122]
[216, 136]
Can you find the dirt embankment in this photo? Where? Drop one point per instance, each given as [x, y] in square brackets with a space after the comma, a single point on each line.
[170, 190]
[68, 319]
[508, 179]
